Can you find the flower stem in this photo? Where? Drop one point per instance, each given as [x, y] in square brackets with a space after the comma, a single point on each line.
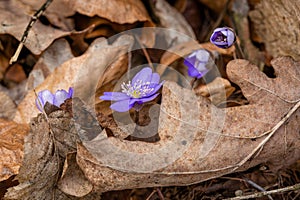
[136, 116]
[193, 82]
[239, 50]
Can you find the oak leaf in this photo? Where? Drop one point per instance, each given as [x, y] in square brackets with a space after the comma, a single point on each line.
[199, 141]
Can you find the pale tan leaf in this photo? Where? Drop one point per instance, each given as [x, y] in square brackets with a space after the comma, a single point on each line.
[8, 107]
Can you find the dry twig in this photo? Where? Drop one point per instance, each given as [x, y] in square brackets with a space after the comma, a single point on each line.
[261, 194]
[34, 18]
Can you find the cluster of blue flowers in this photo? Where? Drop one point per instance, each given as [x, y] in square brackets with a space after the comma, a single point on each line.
[145, 84]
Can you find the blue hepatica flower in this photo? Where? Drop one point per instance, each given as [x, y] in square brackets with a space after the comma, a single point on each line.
[56, 99]
[142, 88]
[223, 37]
[198, 63]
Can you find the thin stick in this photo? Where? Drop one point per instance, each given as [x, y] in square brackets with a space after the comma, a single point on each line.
[261, 194]
[145, 52]
[34, 18]
[193, 82]
[219, 20]
[239, 50]
[152, 193]
[161, 196]
[257, 187]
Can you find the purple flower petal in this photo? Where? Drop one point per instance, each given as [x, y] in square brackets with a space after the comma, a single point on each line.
[156, 88]
[122, 106]
[193, 72]
[114, 96]
[219, 29]
[142, 88]
[155, 78]
[230, 38]
[134, 102]
[190, 59]
[150, 98]
[223, 37]
[145, 75]
[188, 64]
[201, 66]
[197, 63]
[202, 55]
[70, 93]
[43, 97]
[59, 97]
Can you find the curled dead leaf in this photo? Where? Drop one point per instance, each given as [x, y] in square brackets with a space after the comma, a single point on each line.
[72, 180]
[45, 149]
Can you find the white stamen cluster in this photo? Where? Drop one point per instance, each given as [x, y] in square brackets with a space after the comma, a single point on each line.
[138, 89]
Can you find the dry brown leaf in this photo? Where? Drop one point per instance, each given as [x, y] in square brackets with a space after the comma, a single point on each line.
[54, 56]
[128, 11]
[45, 149]
[216, 6]
[240, 10]
[170, 18]
[8, 107]
[215, 90]
[108, 80]
[14, 20]
[72, 180]
[15, 73]
[276, 22]
[77, 72]
[45, 160]
[51, 142]
[11, 147]
[199, 141]
[58, 13]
